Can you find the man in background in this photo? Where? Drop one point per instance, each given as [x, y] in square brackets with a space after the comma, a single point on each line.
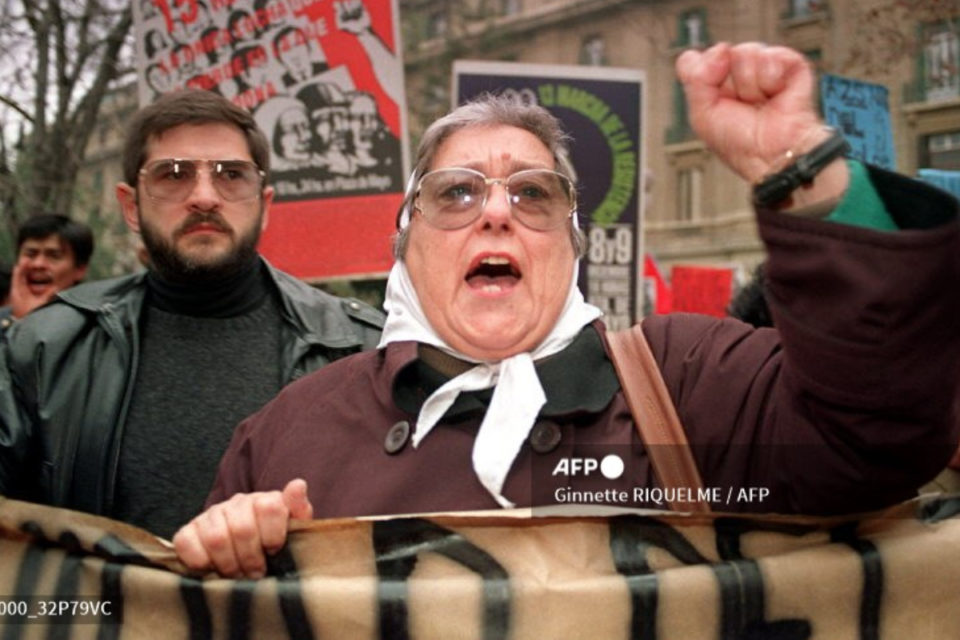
[53, 252]
[4, 284]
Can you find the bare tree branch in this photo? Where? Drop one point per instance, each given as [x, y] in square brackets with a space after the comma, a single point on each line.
[74, 50]
[86, 112]
[13, 104]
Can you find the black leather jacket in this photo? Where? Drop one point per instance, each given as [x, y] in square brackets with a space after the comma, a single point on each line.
[72, 367]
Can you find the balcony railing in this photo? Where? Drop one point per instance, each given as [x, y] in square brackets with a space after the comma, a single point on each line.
[810, 11]
[914, 92]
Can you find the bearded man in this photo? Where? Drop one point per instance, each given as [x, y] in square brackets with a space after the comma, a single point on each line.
[125, 392]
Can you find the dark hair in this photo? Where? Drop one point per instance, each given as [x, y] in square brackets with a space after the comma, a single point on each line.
[153, 43]
[4, 281]
[320, 96]
[188, 55]
[750, 303]
[238, 16]
[252, 55]
[208, 41]
[281, 34]
[189, 106]
[76, 234]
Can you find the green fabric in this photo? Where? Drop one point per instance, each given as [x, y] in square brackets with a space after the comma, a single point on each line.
[861, 205]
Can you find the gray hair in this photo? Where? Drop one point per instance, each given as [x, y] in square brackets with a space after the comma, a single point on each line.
[484, 111]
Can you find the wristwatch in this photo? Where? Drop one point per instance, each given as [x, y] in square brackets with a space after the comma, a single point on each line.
[777, 187]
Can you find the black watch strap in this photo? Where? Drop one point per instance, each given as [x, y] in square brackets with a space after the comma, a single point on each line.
[777, 187]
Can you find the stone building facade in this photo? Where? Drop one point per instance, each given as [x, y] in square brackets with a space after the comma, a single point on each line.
[697, 211]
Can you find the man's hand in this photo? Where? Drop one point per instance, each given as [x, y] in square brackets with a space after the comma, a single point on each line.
[22, 299]
[233, 537]
[751, 104]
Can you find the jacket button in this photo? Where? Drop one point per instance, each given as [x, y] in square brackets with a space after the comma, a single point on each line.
[397, 437]
[545, 437]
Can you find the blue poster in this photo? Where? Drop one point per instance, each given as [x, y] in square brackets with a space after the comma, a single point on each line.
[600, 107]
[860, 110]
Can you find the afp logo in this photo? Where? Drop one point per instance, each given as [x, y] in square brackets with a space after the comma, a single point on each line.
[611, 467]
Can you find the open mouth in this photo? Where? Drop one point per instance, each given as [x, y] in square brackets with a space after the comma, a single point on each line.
[38, 282]
[493, 273]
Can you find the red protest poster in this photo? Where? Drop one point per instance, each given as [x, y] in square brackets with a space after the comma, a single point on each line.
[660, 295]
[700, 289]
[324, 81]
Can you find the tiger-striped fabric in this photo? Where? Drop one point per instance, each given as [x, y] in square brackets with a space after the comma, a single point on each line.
[894, 574]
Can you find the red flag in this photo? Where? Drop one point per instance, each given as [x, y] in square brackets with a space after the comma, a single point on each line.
[662, 296]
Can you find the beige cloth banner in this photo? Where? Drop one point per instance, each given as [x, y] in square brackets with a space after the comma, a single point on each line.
[894, 574]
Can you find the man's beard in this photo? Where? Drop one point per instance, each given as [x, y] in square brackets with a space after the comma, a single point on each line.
[174, 266]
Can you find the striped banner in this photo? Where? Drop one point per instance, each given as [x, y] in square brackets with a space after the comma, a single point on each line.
[894, 574]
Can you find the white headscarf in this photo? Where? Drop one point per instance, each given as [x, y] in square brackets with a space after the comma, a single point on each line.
[518, 394]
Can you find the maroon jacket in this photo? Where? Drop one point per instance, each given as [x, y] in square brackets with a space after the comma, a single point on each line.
[845, 407]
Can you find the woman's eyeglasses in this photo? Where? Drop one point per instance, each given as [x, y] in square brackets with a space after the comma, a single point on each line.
[453, 198]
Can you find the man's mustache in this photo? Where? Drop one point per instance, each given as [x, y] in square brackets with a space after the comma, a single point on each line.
[208, 218]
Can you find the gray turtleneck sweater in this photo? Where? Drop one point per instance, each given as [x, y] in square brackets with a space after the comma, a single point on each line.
[209, 357]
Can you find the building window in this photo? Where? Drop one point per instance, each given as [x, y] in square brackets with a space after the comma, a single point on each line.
[941, 79]
[680, 131]
[692, 29]
[941, 151]
[510, 7]
[593, 51]
[800, 8]
[689, 193]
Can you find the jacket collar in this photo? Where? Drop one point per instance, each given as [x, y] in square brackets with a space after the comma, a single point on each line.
[322, 318]
[101, 295]
[319, 317]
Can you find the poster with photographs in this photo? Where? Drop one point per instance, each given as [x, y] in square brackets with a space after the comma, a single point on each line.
[324, 81]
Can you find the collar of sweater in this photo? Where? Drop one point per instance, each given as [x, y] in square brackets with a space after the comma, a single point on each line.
[236, 294]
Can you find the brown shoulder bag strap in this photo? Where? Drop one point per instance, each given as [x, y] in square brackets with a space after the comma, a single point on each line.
[655, 416]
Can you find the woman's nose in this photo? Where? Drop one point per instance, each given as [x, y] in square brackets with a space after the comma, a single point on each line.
[496, 207]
